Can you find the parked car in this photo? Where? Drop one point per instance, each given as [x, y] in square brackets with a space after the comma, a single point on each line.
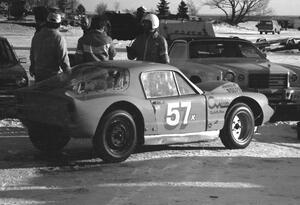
[12, 76]
[124, 104]
[237, 60]
[268, 26]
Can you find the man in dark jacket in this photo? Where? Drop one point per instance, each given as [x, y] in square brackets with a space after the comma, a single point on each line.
[95, 45]
[150, 45]
[48, 53]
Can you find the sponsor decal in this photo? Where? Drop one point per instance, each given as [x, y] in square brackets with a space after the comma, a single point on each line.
[232, 88]
[217, 106]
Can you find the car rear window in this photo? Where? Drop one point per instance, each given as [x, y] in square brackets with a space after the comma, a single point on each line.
[104, 79]
[266, 22]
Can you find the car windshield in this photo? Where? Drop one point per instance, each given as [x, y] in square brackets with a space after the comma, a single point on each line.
[227, 49]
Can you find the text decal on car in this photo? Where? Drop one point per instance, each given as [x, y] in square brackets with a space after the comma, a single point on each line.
[173, 113]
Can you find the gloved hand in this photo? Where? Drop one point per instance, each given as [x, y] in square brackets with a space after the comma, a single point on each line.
[130, 53]
[31, 71]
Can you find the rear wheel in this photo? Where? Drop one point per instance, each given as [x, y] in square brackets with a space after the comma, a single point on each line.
[116, 137]
[47, 138]
[239, 127]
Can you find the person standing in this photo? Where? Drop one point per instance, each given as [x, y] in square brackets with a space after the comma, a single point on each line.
[49, 54]
[150, 45]
[95, 45]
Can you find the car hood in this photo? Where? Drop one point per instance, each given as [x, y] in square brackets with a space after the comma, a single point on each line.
[242, 65]
[215, 87]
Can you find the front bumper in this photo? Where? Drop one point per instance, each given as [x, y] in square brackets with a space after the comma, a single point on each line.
[278, 97]
[285, 102]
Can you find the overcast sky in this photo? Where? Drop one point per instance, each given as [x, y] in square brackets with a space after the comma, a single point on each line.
[280, 7]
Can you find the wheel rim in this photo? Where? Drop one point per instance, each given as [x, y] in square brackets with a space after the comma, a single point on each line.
[240, 128]
[119, 136]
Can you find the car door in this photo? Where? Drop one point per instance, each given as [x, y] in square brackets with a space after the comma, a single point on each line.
[177, 106]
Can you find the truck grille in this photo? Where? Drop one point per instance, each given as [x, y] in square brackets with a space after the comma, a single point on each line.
[275, 81]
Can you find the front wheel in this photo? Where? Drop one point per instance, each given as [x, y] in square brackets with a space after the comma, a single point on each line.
[239, 127]
[116, 137]
[47, 138]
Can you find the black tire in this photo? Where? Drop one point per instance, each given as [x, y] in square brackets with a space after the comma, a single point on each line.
[261, 32]
[238, 130]
[116, 137]
[47, 138]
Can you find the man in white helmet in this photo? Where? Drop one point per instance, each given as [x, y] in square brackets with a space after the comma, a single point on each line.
[150, 45]
[48, 53]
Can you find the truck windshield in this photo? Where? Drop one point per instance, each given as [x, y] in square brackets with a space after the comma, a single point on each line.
[227, 49]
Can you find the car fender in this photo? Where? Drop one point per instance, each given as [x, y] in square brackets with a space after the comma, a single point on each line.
[263, 113]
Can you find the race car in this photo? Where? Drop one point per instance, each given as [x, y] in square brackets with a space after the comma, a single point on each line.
[238, 60]
[12, 76]
[123, 104]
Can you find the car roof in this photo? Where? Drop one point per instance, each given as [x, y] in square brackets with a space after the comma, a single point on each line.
[131, 65]
[189, 39]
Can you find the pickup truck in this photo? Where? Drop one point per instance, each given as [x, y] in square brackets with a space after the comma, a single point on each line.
[268, 26]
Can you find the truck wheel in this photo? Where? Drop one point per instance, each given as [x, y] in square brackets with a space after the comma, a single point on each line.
[273, 32]
[47, 138]
[239, 127]
[261, 32]
[116, 137]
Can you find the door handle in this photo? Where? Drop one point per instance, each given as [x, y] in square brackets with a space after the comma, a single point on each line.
[157, 102]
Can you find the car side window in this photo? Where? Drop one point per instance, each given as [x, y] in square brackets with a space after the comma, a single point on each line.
[178, 50]
[183, 86]
[6, 55]
[158, 84]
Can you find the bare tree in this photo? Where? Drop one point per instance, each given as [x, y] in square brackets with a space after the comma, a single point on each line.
[101, 8]
[236, 10]
[193, 9]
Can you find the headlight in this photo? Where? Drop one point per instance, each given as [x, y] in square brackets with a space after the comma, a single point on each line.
[241, 77]
[293, 78]
[21, 82]
[229, 76]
